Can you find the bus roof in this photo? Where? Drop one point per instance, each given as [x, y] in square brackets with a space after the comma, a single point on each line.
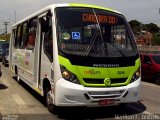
[64, 5]
[94, 6]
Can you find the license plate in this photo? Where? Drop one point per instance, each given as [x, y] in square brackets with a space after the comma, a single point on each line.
[106, 101]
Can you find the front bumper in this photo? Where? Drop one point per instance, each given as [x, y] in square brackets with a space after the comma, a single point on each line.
[70, 94]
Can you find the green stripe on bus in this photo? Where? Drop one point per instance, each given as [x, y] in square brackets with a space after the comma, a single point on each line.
[93, 6]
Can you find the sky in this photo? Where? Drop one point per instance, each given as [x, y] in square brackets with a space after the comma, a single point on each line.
[145, 11]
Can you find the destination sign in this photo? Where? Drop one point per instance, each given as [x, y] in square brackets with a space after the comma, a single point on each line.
[101, 18]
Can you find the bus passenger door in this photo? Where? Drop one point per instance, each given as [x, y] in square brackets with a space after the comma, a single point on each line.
[46, 49]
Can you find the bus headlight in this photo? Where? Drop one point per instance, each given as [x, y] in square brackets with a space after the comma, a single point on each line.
[136, 76]
[69, 76]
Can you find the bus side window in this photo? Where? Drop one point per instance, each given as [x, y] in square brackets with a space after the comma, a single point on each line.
[30, 43]
[14, 37]
[18, 37]
[24, 34]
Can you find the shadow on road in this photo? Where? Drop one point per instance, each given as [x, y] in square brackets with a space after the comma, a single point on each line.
[2, 86]
[109, 112]
[30, 90]
[150, 80]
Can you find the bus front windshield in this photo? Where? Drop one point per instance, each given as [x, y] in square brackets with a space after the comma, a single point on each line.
[94, 33]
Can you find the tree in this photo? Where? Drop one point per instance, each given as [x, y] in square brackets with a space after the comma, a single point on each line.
[3, 37]
[138, 26]
[149, 28]
[156, 39]
[153, 28]
[135, 25]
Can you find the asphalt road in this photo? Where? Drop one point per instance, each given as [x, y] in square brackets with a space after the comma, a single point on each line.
[22, 103]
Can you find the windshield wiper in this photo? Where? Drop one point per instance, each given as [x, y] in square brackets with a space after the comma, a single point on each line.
[98, 30]
[91, 44]
[119, 50]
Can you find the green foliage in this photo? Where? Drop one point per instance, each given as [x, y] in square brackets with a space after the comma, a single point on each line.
[153, 28]
[3, 37]
[138, 26]
[135, 25]
[156, 39]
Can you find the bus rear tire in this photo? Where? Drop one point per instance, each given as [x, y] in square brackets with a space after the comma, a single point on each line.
[5, 65]
[49, 101]
[17, 77]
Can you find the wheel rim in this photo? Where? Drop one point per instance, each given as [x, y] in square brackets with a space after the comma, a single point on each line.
[49, 98]
[18, 77]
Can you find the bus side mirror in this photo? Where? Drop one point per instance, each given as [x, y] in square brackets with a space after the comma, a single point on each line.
[45, 22]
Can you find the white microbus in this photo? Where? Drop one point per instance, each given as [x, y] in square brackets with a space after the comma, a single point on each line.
[77, 55]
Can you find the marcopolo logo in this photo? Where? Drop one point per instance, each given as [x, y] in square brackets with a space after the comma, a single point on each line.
[107, 81]
[92, 72]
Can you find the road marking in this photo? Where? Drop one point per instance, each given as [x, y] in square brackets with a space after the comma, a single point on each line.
[18, 99]
[149, 84]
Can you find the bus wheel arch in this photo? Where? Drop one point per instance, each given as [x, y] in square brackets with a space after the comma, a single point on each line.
[49, 100]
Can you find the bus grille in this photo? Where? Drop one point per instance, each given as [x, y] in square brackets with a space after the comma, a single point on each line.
[106, 94]
[101, 81]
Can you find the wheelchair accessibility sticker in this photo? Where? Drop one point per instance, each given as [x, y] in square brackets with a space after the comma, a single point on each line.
[76, 35]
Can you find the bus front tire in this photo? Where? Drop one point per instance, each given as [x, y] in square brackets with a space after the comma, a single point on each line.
[49, 101]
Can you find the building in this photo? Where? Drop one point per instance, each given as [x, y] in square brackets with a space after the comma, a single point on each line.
[144, 38]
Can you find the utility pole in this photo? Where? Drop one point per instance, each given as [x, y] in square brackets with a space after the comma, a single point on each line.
[15, 15]
[6, 23]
